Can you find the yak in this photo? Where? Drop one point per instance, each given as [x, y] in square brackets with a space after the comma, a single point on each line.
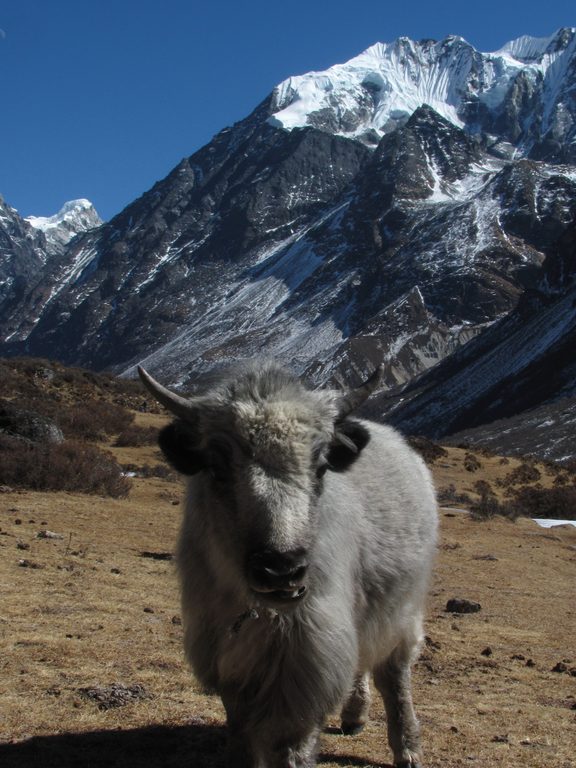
[304, 557]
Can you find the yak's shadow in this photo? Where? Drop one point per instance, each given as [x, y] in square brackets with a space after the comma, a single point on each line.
[197, 746]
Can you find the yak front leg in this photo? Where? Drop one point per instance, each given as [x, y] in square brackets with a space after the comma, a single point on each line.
[355, 711]
[239, 752]
[392, 678]
[296, 752]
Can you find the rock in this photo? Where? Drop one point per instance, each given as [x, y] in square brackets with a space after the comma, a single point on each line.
[461, 605]
[28, 425]
[48, 535]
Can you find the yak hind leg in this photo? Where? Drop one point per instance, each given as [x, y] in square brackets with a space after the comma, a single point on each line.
[393, 680]
[355, 711]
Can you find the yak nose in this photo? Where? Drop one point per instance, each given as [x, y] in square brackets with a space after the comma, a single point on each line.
[277, 570]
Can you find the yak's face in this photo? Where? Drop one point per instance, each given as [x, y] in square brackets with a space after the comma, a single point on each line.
[261, 467]
[259, 464]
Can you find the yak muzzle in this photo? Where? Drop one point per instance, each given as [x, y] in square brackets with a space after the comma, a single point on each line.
[278, 576]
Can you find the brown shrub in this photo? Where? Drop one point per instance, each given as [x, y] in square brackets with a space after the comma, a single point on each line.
[523, 473]
[449, 495]
[94, 420]
[67, 466]
[483, 488]
[552, 468]
[135, 436]
[559, 503]
[429, 450]
[488, 507]
[471, 463]
[50, 380]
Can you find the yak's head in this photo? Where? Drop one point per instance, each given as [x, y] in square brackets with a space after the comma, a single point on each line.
[259, 444]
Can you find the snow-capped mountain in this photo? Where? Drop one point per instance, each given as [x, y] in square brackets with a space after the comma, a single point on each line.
[75, 217]
[391, 208]
[522, 93]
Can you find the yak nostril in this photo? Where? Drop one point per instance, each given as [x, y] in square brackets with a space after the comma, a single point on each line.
[277, 566]
[299, 573]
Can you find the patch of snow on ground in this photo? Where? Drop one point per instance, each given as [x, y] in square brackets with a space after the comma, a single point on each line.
[548, 523]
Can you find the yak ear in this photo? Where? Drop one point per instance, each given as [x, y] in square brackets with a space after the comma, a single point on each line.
[350, 438]
[177, 443]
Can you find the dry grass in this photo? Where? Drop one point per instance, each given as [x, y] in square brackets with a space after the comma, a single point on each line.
[464, 469]
[96, 612]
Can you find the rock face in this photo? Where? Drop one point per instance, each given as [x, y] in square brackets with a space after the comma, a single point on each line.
[523, 361]
[28, 425]
[23, 254]
[394, 207]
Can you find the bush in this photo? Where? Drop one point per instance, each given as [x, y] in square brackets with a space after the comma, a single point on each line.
[523, 473]
[51, 381]
[449, 495]
[483, 488]
[471, 463]
[136, 436]
[559, 502]
[94, 420]
[67, 466]
[429, 450]
[488, 507]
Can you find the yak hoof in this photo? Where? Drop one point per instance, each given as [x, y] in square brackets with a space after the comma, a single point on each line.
[351, 729]
[407, 764]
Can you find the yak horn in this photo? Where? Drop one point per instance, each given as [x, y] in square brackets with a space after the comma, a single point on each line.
[179, 406]
[355, 397]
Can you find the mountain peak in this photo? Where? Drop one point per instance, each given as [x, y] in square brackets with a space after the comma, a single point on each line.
[527, 49]
[377, 91]
[75, 217]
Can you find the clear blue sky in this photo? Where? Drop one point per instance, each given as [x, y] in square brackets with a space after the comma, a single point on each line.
[100, 99]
